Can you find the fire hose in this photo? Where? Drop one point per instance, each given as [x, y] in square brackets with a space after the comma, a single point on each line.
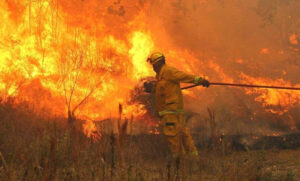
[245, 85]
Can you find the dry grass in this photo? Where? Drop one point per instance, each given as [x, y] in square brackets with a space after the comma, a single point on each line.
[35, 148]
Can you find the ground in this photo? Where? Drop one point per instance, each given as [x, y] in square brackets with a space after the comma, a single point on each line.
[39, 148]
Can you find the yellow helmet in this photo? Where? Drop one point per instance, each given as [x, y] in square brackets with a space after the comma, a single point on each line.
[155, 57]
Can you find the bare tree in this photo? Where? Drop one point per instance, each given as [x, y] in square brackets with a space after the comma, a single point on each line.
[78, 69]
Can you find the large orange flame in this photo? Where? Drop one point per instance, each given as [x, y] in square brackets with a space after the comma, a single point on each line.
[53, 59]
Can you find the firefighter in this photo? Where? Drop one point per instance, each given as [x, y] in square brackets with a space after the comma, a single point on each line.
[169, 104]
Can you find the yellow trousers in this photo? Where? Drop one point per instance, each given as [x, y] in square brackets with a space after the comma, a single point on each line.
[178, 135]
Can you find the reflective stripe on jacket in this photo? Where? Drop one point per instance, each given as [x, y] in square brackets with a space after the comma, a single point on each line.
[162, 113]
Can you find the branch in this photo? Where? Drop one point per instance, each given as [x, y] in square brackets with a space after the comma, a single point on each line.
[83, 100]
[62, 73]
[86, 97]
[3, 162]
[76, 79]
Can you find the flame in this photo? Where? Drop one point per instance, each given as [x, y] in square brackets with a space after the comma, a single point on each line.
[142, 45]
[264, 51]
[86, 57]
[52, 58]
[293, 39]
[270, 98]
[89, 128]
[220, 72]
[239, 61]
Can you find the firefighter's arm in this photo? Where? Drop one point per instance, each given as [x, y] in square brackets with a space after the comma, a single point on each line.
[178, 76]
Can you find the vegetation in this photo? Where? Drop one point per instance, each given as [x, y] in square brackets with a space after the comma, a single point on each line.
[37, 148]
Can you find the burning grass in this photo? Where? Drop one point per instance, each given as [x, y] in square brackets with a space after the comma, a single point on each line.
[37, 148]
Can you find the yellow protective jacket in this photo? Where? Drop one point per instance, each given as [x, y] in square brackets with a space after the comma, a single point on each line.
[168, 94]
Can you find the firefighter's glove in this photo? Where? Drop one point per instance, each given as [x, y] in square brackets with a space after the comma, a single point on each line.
[148, 86]
[205, 83]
